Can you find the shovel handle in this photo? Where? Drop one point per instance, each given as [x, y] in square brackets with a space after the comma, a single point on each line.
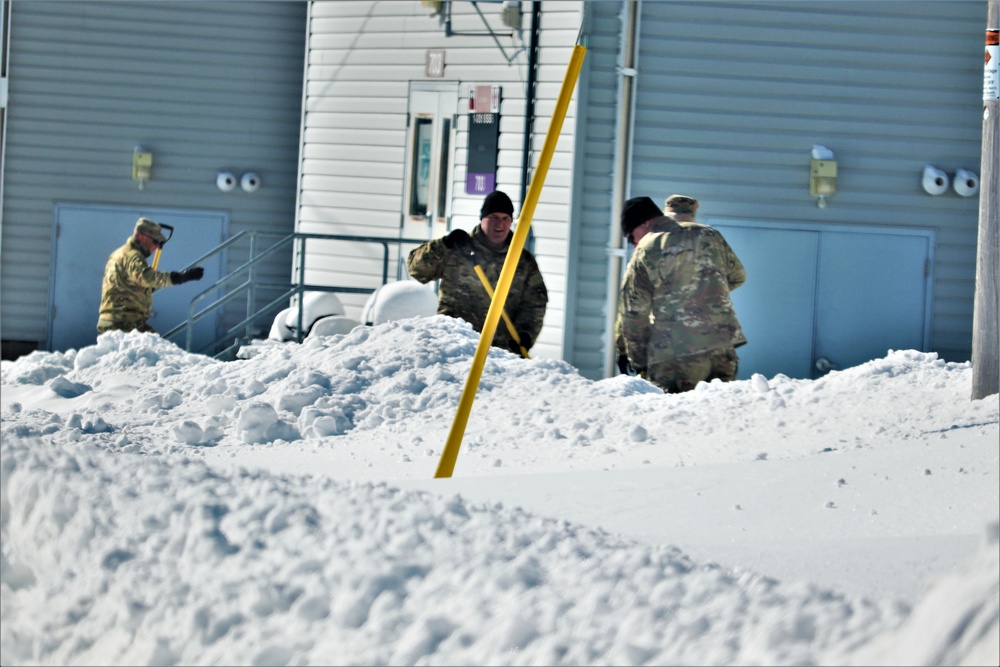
[506, 318]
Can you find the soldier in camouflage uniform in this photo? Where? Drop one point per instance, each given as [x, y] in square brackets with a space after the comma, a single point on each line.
[129, 281]
[677, 322]
[453, 258]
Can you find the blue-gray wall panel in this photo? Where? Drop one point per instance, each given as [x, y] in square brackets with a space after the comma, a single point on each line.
[206, 86]
[732, 96]
[586, 335]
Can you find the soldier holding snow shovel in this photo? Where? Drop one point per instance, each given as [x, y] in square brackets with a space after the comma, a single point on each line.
[469, 266]
[129, 281]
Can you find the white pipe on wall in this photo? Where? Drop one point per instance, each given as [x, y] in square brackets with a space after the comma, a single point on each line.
[935, 181]
[225, 181]
[965, 183]
[625, 114]
[250, 182]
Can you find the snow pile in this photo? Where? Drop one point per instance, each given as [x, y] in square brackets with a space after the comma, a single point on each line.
[160, 507]
[155, 561]
[957, 623]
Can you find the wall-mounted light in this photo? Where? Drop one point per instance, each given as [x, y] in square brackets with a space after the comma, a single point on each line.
[822, 174]
[511, 14]
[966, 183]
[142, 165]
[934, 181]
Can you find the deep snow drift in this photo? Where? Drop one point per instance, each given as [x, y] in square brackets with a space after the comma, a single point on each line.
[160, 507]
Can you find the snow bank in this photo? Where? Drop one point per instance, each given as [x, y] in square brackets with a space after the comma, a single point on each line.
[153, 560]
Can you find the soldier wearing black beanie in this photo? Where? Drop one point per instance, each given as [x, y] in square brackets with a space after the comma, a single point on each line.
[457, 260]
[496, 202]
[637, 212]
[676, 322]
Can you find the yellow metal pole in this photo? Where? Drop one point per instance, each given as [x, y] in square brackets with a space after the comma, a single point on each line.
[446, 466]
[156, 258]
[506, 318]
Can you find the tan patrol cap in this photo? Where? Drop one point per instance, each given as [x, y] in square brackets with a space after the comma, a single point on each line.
[680, 204]
[150, 229]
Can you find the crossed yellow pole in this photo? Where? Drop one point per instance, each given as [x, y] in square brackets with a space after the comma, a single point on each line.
[446, 466]
[511, 329]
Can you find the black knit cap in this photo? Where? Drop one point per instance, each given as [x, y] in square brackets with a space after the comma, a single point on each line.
[496, 202]
[636, 211]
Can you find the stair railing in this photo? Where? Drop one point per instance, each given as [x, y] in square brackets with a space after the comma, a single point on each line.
[243, 280]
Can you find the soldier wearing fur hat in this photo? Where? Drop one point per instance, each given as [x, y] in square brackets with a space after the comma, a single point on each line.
[454, 259]
[129, 280]
[676, 319]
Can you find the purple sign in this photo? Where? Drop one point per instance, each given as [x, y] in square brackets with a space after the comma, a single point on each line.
[480, 184]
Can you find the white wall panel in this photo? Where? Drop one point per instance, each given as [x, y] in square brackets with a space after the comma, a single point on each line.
[362, 59]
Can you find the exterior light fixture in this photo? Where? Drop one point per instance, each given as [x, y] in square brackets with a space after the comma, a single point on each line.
[142, 165]
[822, 174]
[511, 14]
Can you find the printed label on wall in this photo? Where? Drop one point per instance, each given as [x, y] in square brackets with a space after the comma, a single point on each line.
[991, 66]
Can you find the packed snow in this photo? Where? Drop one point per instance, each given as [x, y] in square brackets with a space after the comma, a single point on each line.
[161, 508]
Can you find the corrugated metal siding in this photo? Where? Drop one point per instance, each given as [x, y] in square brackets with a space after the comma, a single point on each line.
[587, 338]
[732, 96]
[361, 58]
[206, 86]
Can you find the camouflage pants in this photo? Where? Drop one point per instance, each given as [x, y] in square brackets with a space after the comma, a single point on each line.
[683, 373]
[123, 324]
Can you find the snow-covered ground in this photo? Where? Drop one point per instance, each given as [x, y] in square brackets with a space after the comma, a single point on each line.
[161, 508]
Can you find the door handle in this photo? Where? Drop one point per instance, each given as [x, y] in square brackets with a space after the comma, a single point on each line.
[824, 365]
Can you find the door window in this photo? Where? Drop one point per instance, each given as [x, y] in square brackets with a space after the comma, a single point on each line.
[432, 108]
[420, 179]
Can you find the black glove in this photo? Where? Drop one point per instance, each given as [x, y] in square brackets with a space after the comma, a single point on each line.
[525, 342]
[625, 366]
[181, 277]
[515, 347]
[457, 238]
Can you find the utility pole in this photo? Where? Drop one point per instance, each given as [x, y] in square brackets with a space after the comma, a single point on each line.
[985, 332]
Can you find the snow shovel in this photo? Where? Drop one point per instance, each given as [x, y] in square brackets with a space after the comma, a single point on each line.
[506, 318]
[466, 251]
[156, 257]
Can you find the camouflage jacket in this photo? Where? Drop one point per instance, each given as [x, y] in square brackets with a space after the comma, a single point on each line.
[129, 281]
[461, 293]
[675, 297]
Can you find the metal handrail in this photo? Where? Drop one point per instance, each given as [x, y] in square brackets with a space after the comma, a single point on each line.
[250, 285]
